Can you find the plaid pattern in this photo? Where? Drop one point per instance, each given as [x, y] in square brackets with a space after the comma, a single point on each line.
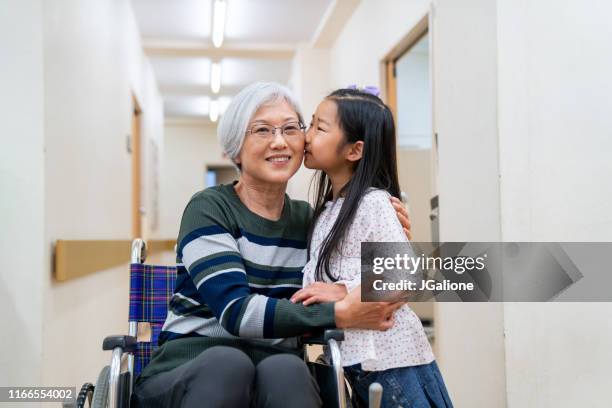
[151, 288]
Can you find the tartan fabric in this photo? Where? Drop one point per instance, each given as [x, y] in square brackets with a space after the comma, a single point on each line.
[151, 288]
[144, 350]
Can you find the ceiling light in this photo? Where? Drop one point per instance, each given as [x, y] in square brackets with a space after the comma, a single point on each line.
[215, 77]
[218, 27]
[213, 110]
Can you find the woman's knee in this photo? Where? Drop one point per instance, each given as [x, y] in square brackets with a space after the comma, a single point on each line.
[221, 376]
[280, 365]
[222, 361]
[284, 378]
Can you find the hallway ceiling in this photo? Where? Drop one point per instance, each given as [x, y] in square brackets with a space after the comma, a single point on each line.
[259, 44]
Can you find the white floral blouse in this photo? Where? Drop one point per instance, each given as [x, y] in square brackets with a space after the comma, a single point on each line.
[405, 344]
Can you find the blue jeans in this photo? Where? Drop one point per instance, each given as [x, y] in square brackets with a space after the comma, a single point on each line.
[406, 387]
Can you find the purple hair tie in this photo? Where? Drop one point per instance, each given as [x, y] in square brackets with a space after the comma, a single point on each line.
[370, 89]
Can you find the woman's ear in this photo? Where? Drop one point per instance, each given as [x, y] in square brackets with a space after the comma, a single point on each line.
[355, 151]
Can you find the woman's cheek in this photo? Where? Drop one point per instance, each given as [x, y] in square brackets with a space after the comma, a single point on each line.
[300, 155]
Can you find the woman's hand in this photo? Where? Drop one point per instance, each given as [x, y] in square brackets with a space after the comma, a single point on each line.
[402, 216]
[319, 292]
[354, 314]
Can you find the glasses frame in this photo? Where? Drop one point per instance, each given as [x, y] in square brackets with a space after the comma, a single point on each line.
[301, 126]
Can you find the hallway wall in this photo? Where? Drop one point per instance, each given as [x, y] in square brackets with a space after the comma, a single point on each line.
[310, 82]
[69, 79]
[93, 62]
[469, 336]
[554, 130]
[22, 200]
[188, 148]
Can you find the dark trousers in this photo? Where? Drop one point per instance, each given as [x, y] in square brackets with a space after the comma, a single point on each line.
[225, 377]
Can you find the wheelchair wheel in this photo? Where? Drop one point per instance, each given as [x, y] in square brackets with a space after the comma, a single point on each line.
[100, 396]
[83, 397]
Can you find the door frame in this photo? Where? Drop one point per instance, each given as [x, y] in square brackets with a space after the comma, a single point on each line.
[136, 148]
[425, 26]
[387, 64]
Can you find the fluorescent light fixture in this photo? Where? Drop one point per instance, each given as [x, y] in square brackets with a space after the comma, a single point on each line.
[218, 27]
[213, 110]
[215, 77]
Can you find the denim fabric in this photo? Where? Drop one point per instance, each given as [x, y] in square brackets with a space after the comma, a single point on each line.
[406, 387]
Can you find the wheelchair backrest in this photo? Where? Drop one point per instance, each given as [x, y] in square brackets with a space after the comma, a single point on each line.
[151, 288]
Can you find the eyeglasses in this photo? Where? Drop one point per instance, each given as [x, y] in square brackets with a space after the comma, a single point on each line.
[290, 130]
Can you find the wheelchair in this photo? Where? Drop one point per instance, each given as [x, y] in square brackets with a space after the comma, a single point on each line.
[151, 288]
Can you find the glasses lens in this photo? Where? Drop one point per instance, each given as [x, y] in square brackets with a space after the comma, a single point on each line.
[292, 129]
[261, 130]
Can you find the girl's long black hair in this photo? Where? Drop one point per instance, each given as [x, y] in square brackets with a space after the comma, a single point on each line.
[361, 117]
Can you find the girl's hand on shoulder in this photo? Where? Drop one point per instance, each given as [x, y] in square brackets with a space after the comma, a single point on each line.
[402, 216]
[319, 292]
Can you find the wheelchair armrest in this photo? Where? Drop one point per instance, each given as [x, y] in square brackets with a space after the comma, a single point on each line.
[323, 337]
[127, 343]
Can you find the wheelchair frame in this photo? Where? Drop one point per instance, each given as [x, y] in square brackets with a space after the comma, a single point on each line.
[126, 345]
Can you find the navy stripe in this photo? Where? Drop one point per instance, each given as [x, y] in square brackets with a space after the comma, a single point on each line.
[279, 242]
[221, 289]
[200, 232]
[268, 331]
[179, 308]
[234, 313]
[214, 262]
[279, 293]
[277, 274]
[185, 285]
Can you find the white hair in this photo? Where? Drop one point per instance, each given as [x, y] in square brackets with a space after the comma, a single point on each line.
[234, 122]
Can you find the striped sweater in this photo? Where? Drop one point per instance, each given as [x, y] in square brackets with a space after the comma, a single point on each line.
[235, 274]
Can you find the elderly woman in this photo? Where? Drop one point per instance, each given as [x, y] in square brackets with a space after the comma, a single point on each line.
[230, 336]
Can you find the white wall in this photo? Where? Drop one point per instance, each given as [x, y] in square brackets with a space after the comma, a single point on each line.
[153, 150]
[93, 60]
[188, 149]
[554, 132]
[373, 29]
[22, 192]
[310, 80]
[469, 337]
[65, 174]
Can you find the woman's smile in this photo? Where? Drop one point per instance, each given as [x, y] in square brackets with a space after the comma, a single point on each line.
[279, 160]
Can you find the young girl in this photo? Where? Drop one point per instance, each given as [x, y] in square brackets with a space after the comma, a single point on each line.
[352, 141]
